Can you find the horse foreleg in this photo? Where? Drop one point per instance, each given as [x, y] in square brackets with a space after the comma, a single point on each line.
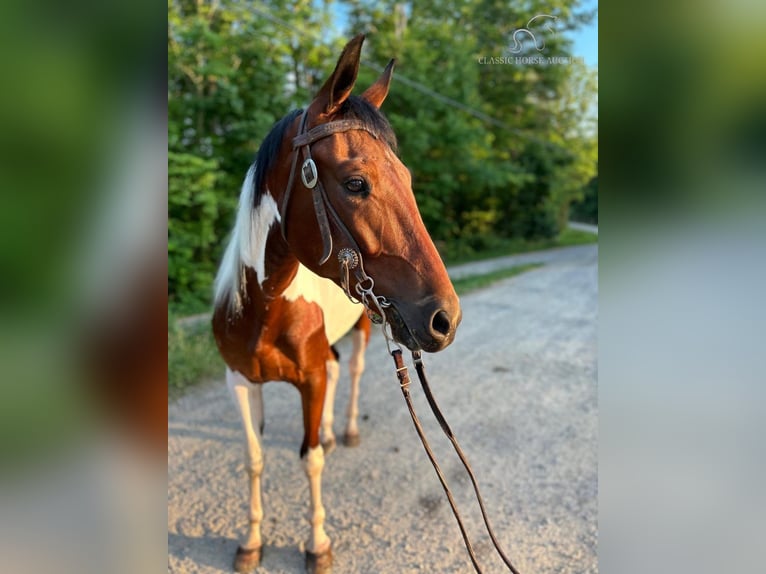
[319, 547]
[249, 401]
[328, 436]
[356, 368]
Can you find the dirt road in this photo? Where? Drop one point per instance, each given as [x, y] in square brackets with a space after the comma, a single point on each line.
[518, 387]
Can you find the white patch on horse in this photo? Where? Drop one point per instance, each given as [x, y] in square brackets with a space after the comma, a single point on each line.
[340, 313]
[263, 217]
[247, 245]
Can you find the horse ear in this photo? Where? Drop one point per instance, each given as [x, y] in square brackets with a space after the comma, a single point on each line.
[338, 86]
[378, 91]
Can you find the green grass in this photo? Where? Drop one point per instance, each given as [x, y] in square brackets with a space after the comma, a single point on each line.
[471, 283]
[192, 356]
[500, 247]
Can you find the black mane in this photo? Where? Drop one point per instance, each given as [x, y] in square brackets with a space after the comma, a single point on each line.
[354, 107]
[269, 150]
[360, 109]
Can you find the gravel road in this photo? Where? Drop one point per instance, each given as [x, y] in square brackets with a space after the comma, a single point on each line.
[518, 386]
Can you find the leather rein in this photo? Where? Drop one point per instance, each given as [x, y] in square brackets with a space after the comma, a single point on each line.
[350, 260]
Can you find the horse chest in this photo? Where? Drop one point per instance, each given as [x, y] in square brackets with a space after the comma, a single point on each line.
[289, 337]
[338, 314]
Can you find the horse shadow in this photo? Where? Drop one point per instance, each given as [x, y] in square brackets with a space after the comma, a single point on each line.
[213, 551]
[218, 552]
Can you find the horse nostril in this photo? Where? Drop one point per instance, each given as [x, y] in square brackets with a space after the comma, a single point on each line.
[441, 323]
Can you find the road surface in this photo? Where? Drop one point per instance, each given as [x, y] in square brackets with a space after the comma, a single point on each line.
[518, 387]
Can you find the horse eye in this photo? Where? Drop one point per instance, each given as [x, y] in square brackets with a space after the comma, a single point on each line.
[356, 185]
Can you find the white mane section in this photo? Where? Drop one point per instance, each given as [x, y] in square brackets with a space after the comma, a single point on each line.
[247, 245]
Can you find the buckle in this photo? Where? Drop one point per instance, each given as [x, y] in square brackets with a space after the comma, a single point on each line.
[309, 173]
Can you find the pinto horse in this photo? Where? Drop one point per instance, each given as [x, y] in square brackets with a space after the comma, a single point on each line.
[284, 293]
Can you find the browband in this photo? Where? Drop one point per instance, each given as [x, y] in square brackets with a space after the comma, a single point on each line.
[324, 130]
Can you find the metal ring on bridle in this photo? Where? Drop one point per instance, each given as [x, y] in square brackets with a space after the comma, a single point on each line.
[361, 289]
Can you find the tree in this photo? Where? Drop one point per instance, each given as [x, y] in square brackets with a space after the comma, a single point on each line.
[234, 68]
[495, 150]
[504, 153]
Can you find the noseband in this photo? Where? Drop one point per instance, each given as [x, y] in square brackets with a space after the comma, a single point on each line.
[349, 256]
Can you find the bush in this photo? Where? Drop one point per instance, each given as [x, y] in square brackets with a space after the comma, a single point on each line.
[586, 210]
[193, 211]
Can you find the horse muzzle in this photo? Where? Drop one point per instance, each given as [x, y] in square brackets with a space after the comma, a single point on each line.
[429, 327]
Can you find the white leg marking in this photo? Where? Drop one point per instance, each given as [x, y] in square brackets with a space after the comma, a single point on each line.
[333, 372]
[356, 368]
[319, 542]
[249, 402]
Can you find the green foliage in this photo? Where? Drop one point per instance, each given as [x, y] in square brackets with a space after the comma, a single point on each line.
[477, 180]
[501, 166]
[586, 210]
[193, 208]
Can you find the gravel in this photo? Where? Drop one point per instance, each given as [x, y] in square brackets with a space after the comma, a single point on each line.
[518, 387]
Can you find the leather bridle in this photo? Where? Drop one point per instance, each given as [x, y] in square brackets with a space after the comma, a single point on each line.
[349, 257]
[310, 179]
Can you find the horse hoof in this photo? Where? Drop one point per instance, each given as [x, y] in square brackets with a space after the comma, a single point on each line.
[246, 560]
[328, 446]
[319, 563]
[351, 439]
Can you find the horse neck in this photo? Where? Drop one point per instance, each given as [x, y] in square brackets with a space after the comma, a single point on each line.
[280, 266]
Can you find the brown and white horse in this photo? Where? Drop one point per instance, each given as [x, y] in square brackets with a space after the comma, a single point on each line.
[279, 304]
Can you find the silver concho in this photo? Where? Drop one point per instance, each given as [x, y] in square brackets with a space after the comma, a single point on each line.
[348, 257]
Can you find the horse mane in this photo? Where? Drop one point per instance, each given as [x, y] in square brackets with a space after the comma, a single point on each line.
[268, 152]
[358, 108]
[230, 280]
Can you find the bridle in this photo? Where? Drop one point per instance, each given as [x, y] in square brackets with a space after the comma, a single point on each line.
[350, 260]
[349, 257]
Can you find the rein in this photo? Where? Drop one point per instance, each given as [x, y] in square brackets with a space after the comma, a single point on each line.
[350, 260]
[404, 383]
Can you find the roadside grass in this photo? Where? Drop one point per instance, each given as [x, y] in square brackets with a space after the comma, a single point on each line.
[193, 356]
[501, 247]
[473, 282]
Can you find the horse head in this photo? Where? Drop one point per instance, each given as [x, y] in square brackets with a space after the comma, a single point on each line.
[357, 198]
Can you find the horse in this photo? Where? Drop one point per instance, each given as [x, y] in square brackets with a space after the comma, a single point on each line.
[309, 243]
